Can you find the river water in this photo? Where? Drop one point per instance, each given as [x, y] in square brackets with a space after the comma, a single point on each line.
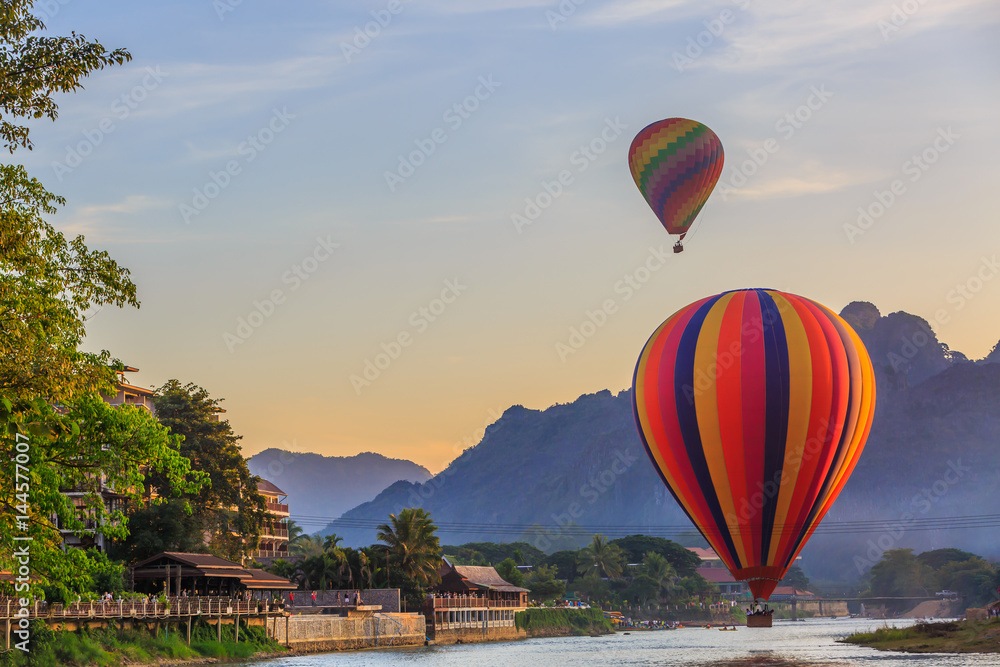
[812, 642]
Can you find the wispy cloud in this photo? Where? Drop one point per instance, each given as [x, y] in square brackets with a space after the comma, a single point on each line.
[102, 222]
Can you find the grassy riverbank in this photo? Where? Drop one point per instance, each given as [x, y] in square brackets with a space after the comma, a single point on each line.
[946, 637]
[113, 647]
[561, 622]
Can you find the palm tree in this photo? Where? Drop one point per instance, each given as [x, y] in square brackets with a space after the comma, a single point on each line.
[308, 546]
[660, 570]
[602, 558]
[412, 544]
[331, 541]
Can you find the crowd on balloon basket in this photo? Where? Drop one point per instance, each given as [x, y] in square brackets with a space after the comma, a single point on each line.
[757, 610]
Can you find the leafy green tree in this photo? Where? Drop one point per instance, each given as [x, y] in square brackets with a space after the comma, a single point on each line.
[635, 548]
[287, 569]
[92, 448]
[797, 578]
[331, 541]
[507, 569]
[899, 574]
[414, 549]
[543, 585]
[307, 545]
[659, 569]
[294, 530]
[938, 558]
[158, 527]
[231, 510]
[600, 558]
[565, 563]
[642, 589]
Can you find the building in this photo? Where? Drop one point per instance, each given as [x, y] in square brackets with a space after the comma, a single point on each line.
[274, 535]
[129, 394]
[204, 575]
[788, 593]
[715, 571]
[473, 603]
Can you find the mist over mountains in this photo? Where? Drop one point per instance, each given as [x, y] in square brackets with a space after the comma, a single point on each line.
[539, 475]
[328, 486]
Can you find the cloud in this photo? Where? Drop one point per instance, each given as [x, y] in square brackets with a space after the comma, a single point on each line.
[645, 11]
[96, 221]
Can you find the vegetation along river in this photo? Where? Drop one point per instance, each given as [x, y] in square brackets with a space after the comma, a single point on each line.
[812, 642]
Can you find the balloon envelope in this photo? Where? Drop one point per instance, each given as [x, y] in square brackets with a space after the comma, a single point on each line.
[754, 406]
[676, 163]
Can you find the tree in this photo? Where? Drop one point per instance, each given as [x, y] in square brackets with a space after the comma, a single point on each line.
[797, 578]
[507, 569]
[635, 548]
[231, 510]
[899, 574]
[659, 569]
[331, 541]
[413, 547]
[565, 563]
[543, 585]
[601, 558]
[92, 448]
[158, 527]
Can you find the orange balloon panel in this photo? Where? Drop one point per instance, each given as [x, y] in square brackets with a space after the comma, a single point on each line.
[754, 406]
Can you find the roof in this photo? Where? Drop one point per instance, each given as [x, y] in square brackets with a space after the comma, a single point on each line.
[791, 590]
[265, 486]
[486, 577]
[260, 579]
[207, 565]
[135, 389]
[704, 554]
[716, 575]
[194, 560]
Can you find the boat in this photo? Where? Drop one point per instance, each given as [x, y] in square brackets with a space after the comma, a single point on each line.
[733, 629]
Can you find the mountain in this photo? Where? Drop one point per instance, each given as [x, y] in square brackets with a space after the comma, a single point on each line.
[932, 452]
[327, 486]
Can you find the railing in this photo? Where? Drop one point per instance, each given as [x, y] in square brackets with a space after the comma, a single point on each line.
[278, 507]
[139, 608]
[269, 553]
[274, 532]
[475, 603]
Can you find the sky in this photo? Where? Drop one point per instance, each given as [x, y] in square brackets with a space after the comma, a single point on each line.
[346, 218]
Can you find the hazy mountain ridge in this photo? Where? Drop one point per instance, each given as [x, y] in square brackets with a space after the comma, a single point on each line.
[937, 412]
[328, 486]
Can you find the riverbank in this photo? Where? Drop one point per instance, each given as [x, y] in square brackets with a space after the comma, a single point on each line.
[539, 622]
[115, 647]
[945, 637]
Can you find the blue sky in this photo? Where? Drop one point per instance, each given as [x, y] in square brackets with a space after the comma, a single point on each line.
[242, 157]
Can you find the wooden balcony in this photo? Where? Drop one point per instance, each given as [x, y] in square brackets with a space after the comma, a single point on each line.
[277, 508]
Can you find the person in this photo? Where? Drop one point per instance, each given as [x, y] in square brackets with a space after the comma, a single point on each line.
[314, 598]
[357, 598]
[347, 600]
[291, 599]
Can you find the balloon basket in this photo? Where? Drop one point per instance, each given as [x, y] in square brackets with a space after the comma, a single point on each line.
[759, 621]
[678, 247]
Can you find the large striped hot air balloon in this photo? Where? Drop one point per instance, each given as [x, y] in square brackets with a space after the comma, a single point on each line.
[754, 406]
[676, 163]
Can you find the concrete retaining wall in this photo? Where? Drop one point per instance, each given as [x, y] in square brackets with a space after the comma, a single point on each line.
[388, 598]
[474, 635]
[334, 633]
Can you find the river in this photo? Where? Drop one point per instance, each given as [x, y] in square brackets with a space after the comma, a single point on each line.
[787, 644]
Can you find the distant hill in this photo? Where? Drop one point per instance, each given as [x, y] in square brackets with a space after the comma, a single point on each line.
[328, 486]
[583, 463]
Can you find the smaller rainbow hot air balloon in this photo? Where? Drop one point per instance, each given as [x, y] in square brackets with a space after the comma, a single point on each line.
[676, 163]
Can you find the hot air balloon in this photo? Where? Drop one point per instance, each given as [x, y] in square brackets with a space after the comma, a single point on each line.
[754, 406]
[676, 163]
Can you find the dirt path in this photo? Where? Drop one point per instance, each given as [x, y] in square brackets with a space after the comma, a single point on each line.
[930, 609]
